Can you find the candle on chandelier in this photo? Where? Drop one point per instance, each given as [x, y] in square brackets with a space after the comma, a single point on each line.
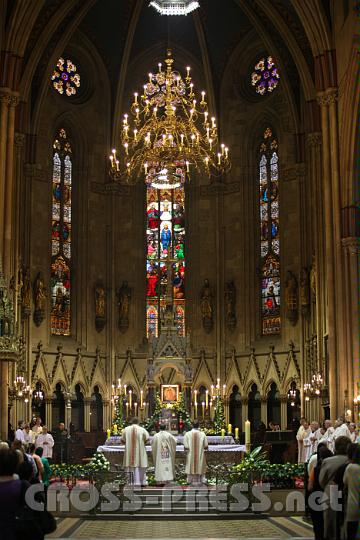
[182, 138]
[206, 114]
[155, 111]
[187, 166]
[187, 71]
[159, 65]
[226, 152]
[117, 165]
[114, 153]
[219, 159]
[125, 119]
[236, 433]
[207, 398]
[137, 113]
[222, 148]
[208, 132]
[150, 77]
[213, 121]
[212, 386]
[210, 143]
[126, 146]
[191, 113]
[135, 134]
[141, 398]
[136, 97]
[202, 96]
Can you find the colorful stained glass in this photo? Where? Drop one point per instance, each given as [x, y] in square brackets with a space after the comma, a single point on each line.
[269, 235]
[165, 237]
[61, 236]
[64, 78]
[265, 76]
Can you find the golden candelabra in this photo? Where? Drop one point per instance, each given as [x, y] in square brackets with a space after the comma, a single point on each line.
[169, 133]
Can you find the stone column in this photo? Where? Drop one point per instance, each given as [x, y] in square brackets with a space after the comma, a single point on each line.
[283, 411]
[151, 399]
[4, 104]
[245, 411]
[9, 191]
[87, 414]
[226, 403]
[4, 399]
[106, 414]
[48, 413]
[264, 417]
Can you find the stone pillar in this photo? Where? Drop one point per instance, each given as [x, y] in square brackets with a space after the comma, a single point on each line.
[283, 411]
[106, 414]
[264, 417]
[87, 414]
[4, 105]
[245, 412]
[67, 413]
[48, 413]
[9, 191]
[151, 399]
[226, 402]
[4, 399]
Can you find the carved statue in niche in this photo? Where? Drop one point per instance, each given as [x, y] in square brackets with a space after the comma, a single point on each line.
[304, 291]
[206, 306]
[230, 305]
[124, 306]
[100, 306]
[313, 273]
[40, 295]
[25, 293]
[291, 297]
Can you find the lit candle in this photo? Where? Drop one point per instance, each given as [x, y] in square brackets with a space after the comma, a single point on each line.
[207, 398]
[236, 433]
[135, 134]
[223, 433]
[218, 383]
[125, 386]
[119, 383]
[135, 408]
[195, 400]
[137, 112]
[141, 398]
[182, 138]
[202, 95]
[127, 408]
[230, 429]
[114, 153]
[187, 166]
[130, 399]
[115, 429]
[212, 390]
[191, 113]
[117, 165]
[146, 167]
[210, 143]
[155, 111]
[125, 119]
[136, 97]
[219, 159]
[112, 160]
[126, 146]
[222, 148]
[213, 121]
[187, 71]
[247, 432]
[226, 151]
[108, 433]
[206, 114]
[210, 408]
[159, 64]
[203, 409]
[150, 77]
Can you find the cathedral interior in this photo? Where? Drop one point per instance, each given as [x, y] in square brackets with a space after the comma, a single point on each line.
[246, 280]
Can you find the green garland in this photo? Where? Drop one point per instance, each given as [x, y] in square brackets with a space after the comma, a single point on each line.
[119, 420]
[219, 416]
[152, 422]
[98, 463]
[182, 413]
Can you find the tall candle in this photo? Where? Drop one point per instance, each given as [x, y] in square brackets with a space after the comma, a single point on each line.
[127, 409]
[224, 389]
[130, 399]
[247, 432]
[115, 429]
[141, 398]
[207, 398]
[212, 390]
[230, 428]
[203, 409]
[135, 408]
[125, 386]
[236, 433]
[108, 433]
[223, 433]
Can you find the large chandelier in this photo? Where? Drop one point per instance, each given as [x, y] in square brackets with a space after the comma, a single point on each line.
[174, 7]
[169, 133]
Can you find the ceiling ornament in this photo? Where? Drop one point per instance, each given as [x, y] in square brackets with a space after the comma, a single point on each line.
[168, 134]
[266, 76]
[174, 7]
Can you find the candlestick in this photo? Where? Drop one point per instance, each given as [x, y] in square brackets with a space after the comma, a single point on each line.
[223, 433]
[230, 429]
[236, 433]
[207, 398]
[108, 433]
[141, 398]
[135, 408]
[130, 399]
[212, 390]
[125, 386]
[127, 408]
[247, 435]
[203, 409]
[224, 390]
[115, 429]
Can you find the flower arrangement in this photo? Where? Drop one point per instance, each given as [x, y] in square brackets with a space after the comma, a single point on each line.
[99, 463]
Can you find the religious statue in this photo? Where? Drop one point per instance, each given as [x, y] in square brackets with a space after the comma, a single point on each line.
[100, 306]
[165, 237]
[291, 297]
[304, 291]
[124, 306]
[25, 293]
[206, 306]
[313, 272]
[230, 303]
[40, 296]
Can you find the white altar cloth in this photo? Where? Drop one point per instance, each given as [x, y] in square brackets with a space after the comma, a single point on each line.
[179, 448]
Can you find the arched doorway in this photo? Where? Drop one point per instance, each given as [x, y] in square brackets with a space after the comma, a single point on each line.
[235, 409]
[254, 407]
[77, 409]
[293, 407]
[273, 405]
[58, 406]
[96, 411]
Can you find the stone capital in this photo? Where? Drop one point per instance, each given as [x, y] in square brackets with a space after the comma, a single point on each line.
[329, 97]
[351, 245]
[314, 139]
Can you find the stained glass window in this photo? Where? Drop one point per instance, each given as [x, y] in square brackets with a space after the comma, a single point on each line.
[61, 235]
[265, 76]
[64, 78]
[165, 235]
[269, 234]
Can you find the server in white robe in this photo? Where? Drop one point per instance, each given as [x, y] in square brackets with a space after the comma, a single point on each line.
[45, 441]
[341, 429]
[163, 451]
[195, 444]
[135, 462]
[303, 441]
[328, 436]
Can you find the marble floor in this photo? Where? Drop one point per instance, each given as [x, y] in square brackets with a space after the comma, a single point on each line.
[274, 528]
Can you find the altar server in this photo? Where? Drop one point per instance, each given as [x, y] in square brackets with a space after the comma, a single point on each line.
[302, 434]
[195, 444]
[45, 441]
[135, 462]
[163, 450]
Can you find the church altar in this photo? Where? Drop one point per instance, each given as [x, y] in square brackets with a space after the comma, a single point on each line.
[221, 450]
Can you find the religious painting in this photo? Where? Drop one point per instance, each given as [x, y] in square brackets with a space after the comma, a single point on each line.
[60, 277]
[269, 235]
[169, 393]
[165, 240]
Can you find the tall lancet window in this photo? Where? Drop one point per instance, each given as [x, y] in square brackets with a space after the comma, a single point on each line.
[60, 280]
[269, 234]
[165, 235]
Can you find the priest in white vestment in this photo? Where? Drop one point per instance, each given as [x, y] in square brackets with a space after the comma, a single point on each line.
[341, 429]
[303, 433]
[195, 444]
[45, 441]
[135, 462]
[164, 450]
[328, 436]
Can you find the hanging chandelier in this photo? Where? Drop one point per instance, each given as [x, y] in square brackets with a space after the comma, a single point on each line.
[174, 7]
[168, 134]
